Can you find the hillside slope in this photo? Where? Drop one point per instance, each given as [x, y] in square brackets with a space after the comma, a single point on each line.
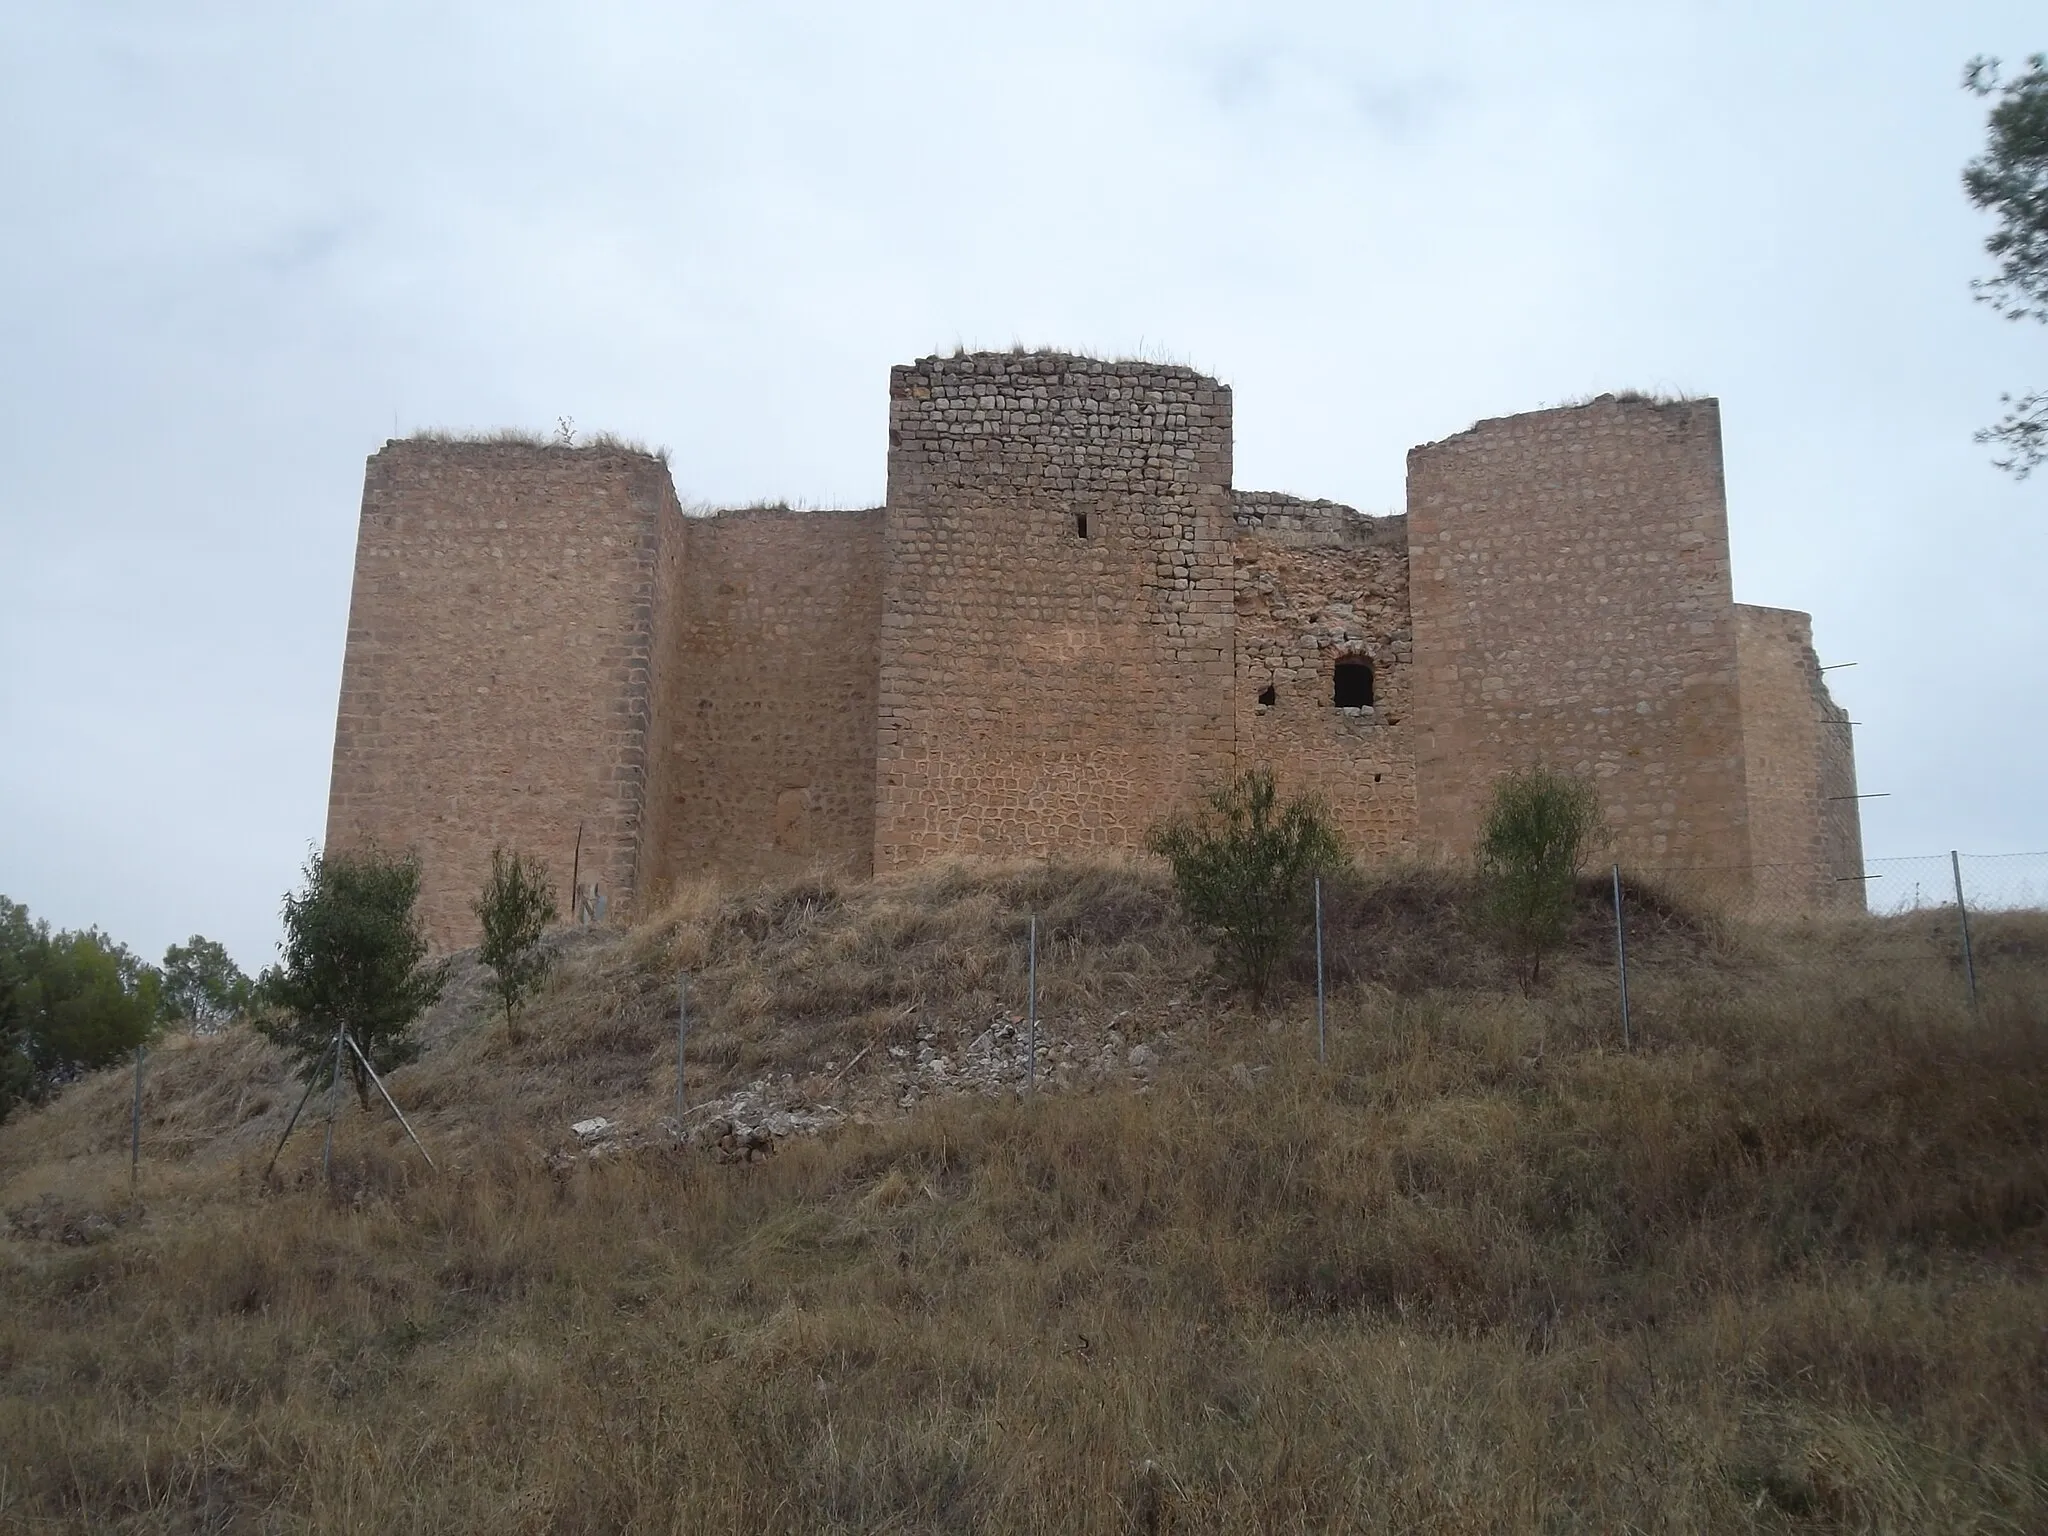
[1777, 1268]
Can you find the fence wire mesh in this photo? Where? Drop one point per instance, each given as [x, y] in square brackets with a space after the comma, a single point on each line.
[1959, 915]
[1783, 893]
[1992, 882]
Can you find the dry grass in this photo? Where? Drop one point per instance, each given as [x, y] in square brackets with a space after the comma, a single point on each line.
[1780, 1269]
[527, 437]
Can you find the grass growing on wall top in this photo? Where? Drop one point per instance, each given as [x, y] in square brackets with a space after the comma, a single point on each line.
[602, 442]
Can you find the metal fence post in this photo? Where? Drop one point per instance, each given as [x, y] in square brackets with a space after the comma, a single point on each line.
[135, 1125]
[1955, 862]
[1031, 1010]
[576, 879]
[1322, 1034]
[333, 1106]
[682, 1036]
[1621, 960]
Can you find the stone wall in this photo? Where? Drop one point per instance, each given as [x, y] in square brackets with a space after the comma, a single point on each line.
[1804, 827]
[767, 717]
[1065, 625]
[1319, 583]
[496, 682]
[1056, 655]
[1572, 606]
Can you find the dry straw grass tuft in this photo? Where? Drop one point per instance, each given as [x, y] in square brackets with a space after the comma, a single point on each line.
[1779, 1270]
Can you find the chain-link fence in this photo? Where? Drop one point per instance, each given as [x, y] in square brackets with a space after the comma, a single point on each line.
[1957, 921]
[1788, 893]
[1991, 882]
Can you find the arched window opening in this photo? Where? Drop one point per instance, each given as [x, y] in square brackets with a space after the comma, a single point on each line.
[1268, 697]
[1353, 689]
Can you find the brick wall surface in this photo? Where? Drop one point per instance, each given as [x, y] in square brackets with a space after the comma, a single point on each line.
[495, 684]
[1046, 685]
[766, 728]
[1318, 582]
[1804, 830]
[1572, 606]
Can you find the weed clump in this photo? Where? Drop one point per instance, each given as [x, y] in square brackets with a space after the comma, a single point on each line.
[515, 910]
[1533, 843]
[1243, 864]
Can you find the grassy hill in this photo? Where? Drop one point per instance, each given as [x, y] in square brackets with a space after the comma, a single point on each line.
[1777, 1268]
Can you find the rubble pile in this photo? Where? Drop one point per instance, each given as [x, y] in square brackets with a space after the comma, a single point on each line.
[882, 1081]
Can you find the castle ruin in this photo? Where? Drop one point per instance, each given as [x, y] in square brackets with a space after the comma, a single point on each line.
[1063, 623]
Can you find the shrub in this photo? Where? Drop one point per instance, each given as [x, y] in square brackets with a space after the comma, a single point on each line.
[1242, 867]
[354, 958]
[515, 908]
[1539, 827]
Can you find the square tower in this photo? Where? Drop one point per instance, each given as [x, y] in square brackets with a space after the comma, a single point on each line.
[499, 671]
[1056, 650]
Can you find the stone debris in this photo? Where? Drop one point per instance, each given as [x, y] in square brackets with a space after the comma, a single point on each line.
[748, 1123]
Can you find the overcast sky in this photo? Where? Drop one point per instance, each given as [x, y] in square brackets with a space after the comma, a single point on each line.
[248, 242]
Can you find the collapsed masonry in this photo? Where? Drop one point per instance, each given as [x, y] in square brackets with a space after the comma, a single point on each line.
[1063, 623]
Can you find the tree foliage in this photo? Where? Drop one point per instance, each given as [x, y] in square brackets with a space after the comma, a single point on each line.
[1539, 827]
[2010, 181]
[353, 957]
[202, 984]
[1243, 864]
[18, 939]
[516, 907]
[69, 1002]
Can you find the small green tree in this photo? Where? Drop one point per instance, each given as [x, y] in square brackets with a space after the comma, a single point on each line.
[516, 908]
[353, 957]
[1242, 867]
[1539, 827]
[202, 983]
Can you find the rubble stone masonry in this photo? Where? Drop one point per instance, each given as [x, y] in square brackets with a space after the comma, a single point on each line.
[1056, 660]
[1064, 624]
[1319, 585]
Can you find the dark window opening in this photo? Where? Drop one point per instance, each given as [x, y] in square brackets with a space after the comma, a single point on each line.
[1267, 697]
[1354, 684]
[1081, 525]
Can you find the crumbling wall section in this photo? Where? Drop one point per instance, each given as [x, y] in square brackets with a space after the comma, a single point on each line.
[1319, 583]
[1572, 606]
[497, 676]
[1804, 825]
[767, 744]
[1056, 656]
